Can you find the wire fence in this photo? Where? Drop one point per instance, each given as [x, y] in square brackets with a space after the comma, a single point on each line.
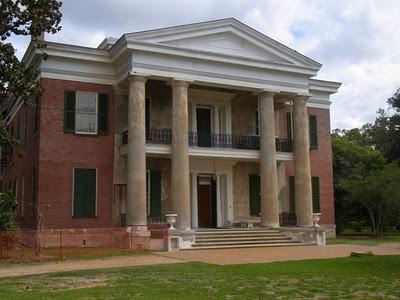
[69, 243]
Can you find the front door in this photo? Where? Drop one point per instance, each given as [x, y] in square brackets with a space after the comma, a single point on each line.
[203, 115]
[207, 202]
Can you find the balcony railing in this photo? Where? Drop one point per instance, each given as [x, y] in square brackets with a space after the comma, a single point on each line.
[222, 140]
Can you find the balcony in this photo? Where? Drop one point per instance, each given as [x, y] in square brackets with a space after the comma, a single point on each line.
[197, 139]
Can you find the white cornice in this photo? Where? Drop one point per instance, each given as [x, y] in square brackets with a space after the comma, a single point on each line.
[330, 87]
[218, 57]
[239, 154]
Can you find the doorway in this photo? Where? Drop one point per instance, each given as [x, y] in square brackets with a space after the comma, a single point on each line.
[203, 115]
[207, 201]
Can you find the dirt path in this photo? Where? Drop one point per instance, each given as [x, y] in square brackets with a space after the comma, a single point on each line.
[115, 262]
[271, 254]
[220, 257]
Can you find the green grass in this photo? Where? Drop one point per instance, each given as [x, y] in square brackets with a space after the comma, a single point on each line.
[364, 238]
[368, 277]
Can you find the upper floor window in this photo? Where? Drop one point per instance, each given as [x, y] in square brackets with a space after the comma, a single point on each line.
[85, 112]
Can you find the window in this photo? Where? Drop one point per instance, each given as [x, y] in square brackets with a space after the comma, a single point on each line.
[85, 112]
[312, 121]
[315, 194]
[255, 198]
[84, 204]
[257, 125]
[153, 193]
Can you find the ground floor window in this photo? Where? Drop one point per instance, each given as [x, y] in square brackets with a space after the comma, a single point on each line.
[153, 193]
[85, 185]
[255, 194]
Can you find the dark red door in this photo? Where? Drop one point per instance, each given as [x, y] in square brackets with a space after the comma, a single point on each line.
[204, 201]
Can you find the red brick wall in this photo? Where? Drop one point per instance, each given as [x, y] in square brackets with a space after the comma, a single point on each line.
[321, 165]
[22, 166]
[60, 153]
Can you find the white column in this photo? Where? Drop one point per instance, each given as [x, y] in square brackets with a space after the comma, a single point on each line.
[216, 119]
[228, 116]
[195, 217]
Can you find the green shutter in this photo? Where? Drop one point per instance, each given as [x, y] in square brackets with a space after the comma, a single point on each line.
[315, 194]
[289, 125]
[69, 111]
[313, 132]
[155, 193]
[254, 188]
[90, 193]
[102, 113]
[292, 195]
[84, 193]
[79, 193]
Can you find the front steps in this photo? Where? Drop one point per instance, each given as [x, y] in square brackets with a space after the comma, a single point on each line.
[241, 238]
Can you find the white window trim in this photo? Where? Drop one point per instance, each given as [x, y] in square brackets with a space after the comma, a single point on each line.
[73, 190]
[97, 113]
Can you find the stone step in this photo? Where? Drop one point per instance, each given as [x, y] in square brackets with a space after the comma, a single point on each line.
[235, 231]
[240, 238]
[227, 235]
[216, 243]
[209, 247]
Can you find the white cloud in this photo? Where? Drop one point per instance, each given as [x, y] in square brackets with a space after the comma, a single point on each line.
[356, 41]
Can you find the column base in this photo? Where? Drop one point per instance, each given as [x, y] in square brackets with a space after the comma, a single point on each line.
[139, 237]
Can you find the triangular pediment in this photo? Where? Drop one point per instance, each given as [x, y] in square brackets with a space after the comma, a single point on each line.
[226, 43]
[227, 37]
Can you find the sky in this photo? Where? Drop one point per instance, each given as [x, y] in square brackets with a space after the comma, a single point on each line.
[358, 42]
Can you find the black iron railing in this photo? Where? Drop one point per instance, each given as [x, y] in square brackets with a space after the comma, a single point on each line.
[222, 140]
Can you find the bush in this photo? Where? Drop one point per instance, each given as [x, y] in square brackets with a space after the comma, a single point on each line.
[8, 212]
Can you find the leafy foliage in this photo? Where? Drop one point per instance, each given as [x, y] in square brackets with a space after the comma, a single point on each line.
[351, 161]
[379, 193]
[362, 180]
[8, 210]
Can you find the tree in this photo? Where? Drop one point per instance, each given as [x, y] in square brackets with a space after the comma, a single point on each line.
[8, 209]
[18, 81]
[384, 133]
[351, 161]
[378, 193]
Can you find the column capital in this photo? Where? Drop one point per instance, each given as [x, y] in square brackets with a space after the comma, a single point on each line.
[301, 97]
[178, 82]
[140, 78]
[267, 93]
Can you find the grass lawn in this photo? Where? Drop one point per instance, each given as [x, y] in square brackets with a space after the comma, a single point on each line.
[364, 238]
[368, 277]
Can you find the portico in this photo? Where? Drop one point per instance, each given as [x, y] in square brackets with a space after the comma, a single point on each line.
[192, 163]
